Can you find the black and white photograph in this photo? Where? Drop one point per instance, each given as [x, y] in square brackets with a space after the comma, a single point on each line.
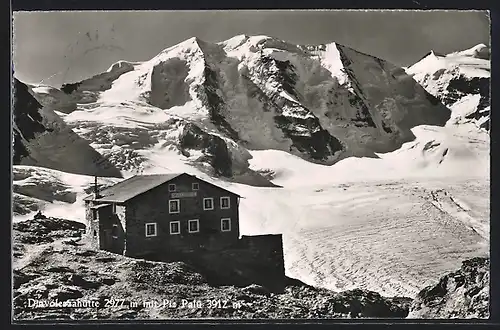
[250, 165]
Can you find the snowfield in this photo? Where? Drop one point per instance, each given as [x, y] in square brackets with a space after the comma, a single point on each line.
[390, 237]
[392, 225]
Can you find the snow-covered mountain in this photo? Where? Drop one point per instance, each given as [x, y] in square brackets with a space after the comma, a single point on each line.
[42, 138]
[380, 190]
[461, 80]
[212, 103]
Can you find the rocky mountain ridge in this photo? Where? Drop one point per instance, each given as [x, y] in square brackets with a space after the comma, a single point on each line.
[41, 138]
[461, 80]
[322, 103]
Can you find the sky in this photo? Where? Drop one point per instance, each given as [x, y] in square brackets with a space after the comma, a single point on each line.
[61, 47]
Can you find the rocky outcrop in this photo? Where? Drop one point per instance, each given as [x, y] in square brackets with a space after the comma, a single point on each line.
[54, 98]
[227, 160]
[461, 294]
[27, 120]
[462, 86]
[45, 230]
[351, 304]
[214, 148]
[41, 138]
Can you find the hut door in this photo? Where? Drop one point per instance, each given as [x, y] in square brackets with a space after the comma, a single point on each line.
[107, 240]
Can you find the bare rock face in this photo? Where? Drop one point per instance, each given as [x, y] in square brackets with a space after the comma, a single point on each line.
[461, 294]
[214, 148]
[41, 138]
[27, 119]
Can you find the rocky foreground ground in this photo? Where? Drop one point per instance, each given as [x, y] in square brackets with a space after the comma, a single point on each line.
[56, 275]
[461, 294]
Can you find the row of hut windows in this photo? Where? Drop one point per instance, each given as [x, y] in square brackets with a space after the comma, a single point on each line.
[174, 205]
[174, 227]
[193, 227]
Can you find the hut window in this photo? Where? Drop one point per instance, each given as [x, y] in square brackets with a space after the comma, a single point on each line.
[174, 206]
[94, 214]
[208, 203]
[195, 186]
[193, 226]
[95, 233]
[175, 227]
[150, 229]
[171, 187]
[225, 224]
[225, 203]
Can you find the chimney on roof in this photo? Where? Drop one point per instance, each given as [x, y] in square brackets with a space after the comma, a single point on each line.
[96, 188]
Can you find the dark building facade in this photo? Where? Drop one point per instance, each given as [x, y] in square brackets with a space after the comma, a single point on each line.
[158, 214]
